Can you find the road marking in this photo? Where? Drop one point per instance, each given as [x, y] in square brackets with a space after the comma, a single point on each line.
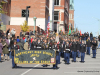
[29, 70]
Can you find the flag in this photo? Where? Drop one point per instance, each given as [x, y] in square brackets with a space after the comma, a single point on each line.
[63, 30]
[48, 26]
[73, 30]
[80, 33]
[69, 32]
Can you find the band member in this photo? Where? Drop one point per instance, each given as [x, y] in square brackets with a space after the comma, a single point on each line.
[62, 48]
[88, 44]
[67, 53]
[78, 48]
[74, 50]
[50, 44]
[39, 45]
[33, 45]
[83, 51]
[94, 45]
[71, 48]
[45, 47]
[57, 55]
[58, 47]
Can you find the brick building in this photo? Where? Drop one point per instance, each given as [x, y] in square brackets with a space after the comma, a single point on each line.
[16, 13]
[71, 14]
[6, 17]
[61, 14]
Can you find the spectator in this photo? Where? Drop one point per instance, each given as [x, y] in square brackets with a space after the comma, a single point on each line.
[1, 46]
[7, 32]
[20, 45]
[13, 32]
[5, 49]
[17, 39]
[21, 33]
[22, 41]
[26, 45]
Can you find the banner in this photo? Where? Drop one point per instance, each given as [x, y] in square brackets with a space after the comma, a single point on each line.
[34, 57]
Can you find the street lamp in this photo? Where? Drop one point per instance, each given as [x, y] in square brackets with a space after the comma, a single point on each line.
[27, 13]
[34, 23]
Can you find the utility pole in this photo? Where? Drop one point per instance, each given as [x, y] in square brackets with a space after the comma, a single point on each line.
[27, 14]
[34, 18]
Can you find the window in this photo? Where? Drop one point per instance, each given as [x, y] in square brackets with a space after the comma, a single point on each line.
[71, 16]
[9, 1]
[55, 26]
[56, 2]
[9, 23]
[56, 15]
[24, 13]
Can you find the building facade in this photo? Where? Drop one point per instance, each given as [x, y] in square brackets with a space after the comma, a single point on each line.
[71, 14]
[5, 18]
[61, 14]
[39, 9]
[17, 9]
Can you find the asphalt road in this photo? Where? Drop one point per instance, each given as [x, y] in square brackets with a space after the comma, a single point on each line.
[90, 67]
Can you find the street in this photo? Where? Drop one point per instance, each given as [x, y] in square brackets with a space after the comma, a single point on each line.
[90, 67]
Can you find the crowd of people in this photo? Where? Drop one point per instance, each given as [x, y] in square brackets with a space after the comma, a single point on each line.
[72, 46]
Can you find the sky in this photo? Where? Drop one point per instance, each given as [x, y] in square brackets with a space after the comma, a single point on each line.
[86, 15]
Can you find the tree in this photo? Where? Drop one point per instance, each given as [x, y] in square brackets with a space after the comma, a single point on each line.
[1, 8]
[24, 27]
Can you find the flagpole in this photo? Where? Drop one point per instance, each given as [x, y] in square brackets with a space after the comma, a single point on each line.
[48, 26]
[57, 35]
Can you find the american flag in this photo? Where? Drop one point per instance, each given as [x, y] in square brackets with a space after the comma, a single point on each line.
[48, 26]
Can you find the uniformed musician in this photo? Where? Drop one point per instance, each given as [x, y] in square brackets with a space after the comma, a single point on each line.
[67, 52]
[57, 55]
[83, 51]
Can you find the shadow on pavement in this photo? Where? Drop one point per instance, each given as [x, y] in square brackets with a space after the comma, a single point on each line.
[20, 67]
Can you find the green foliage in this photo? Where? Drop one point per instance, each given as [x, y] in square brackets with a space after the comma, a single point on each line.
[24, 27]
[1, 8]
[3, 2]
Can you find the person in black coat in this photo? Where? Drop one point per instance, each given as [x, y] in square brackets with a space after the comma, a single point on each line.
[91, 36]
[83, 51]
[71, 48]
[7, 32]
[46, 45]
[94, 45]
[74, 50]
[88, 44]
[33, 45]
[39, 45]
[14, 47]
[67, 53]
[62, 48]
[78, 48]
[99, 41]
[57, 55]
[21, 33]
